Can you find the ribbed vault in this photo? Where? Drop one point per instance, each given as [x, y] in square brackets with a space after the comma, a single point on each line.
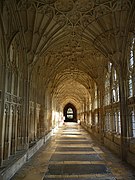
[69, 42]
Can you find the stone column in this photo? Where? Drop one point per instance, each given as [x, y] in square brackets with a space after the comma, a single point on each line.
[19, 133]
[31, 121]
[25, 113]
[123, 113]
[45, 119]
[102, 115]
[48, 109]
[2, 114]
[3, 53]
[42, 121]
[36, 122]
[5, 131]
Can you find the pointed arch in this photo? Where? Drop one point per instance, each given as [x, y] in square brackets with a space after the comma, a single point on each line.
[70, 113]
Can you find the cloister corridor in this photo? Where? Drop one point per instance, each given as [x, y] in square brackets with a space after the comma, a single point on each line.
[73, 154]
[67, 89]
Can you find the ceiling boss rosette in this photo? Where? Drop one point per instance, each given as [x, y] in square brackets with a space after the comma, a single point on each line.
[64, 5]
[84, 5]
[68, 5]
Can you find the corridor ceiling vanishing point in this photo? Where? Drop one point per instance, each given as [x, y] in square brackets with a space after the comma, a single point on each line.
[69, 42]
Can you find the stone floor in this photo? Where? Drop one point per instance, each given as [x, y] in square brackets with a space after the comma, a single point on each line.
[72, 154]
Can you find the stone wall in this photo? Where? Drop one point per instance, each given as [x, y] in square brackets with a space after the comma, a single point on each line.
[113, 143]
[15, 165]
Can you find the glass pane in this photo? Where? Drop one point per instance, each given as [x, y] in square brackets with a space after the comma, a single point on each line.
[134, 133]
[70, 116]
[69, 110]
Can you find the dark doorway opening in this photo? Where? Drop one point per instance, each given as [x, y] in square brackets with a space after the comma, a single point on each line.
[70, 113]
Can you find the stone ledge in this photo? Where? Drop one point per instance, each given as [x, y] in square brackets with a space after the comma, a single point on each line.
[112, 146]
[132, 146]
[117, 139]
[34, 148]
[91, 131]
[109, 136]
[7, 172]
[131, 158]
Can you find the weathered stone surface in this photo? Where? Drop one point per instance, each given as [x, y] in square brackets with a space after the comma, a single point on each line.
[76, 169]
[75, 157]
[64, 149]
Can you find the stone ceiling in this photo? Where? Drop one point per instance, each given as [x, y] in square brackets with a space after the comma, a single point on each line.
[69, 42]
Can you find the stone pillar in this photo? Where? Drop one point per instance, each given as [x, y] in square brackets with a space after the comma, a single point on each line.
[101, 113]
[19, 133]
[25, 113]
[46, 121]
[19, 115]
[5, 132]
[49, 118]
[123, 114]
[84, 111]
[2, 89]
[38, 117]
[42, 122]
[48, 109]
[31, 121]
[36, 122]
[11, 129]
[3, 112]
[87, 112]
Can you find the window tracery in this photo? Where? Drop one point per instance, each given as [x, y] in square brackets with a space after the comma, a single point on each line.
[107, 121]
[115, 86]
[117, 122]
[132, 121]
[111, 85]
[131, 69]
[112, 115]
[131, 85]
[95, 97]
[107, 90]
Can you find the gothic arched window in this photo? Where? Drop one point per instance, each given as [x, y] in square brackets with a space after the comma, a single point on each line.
[70, 113]
[131, 86]
[131, 69]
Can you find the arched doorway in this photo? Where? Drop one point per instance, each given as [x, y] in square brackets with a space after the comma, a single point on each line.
[70, 113]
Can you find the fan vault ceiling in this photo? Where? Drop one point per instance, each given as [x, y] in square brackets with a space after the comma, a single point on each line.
[69, 42]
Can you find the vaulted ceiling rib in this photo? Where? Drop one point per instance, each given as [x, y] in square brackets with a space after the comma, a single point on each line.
[69, 41]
